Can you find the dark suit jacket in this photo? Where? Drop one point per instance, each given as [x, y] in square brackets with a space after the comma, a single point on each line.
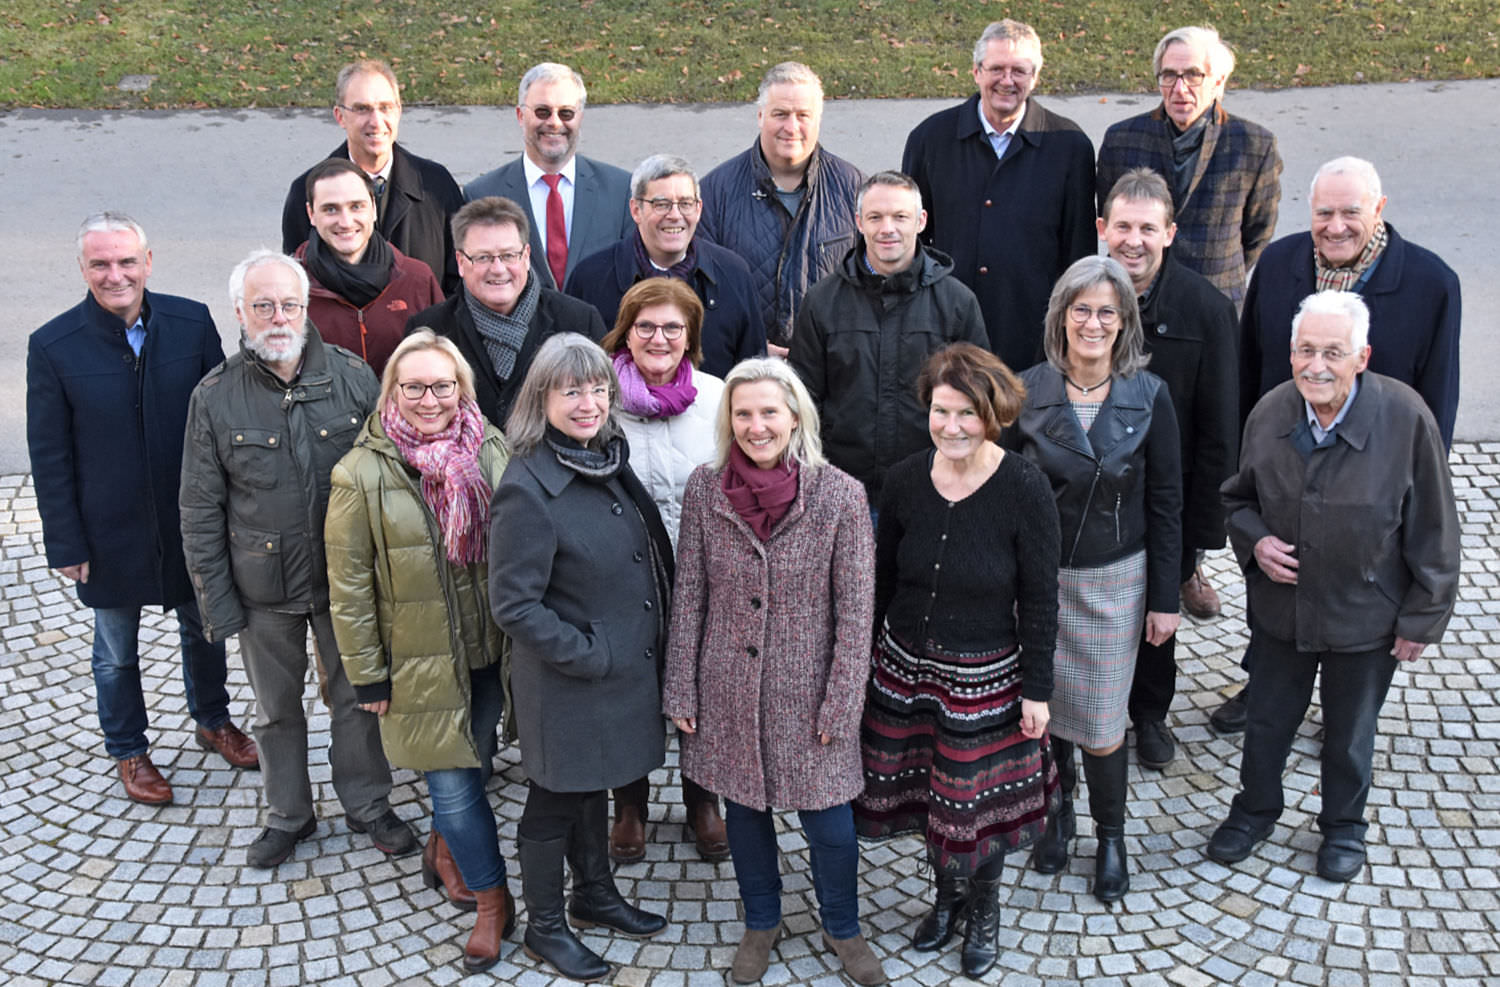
[1415, 312]
[1011, 226]
[105, 431]
[1190, 330]
[733, 328]
[601, 209]
[420, 199]
[555, 313]
[1229, 213]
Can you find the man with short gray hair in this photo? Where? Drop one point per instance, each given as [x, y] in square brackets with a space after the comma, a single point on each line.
[574, 205]
[1009, 190]
[264, 430]
[665, 204]
[786, 205]
[1224, 171]
[1343, 520]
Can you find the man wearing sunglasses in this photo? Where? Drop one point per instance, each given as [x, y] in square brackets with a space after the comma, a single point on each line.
[574, 205]
[414, 197]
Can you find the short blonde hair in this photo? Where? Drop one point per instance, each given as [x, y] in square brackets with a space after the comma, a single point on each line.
[806, 446]
[416, 342]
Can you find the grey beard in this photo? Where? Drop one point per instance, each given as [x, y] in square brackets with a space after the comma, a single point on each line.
[272, 354]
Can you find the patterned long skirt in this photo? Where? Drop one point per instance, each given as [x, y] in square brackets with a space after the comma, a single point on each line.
[1100, 615]
[944, 755]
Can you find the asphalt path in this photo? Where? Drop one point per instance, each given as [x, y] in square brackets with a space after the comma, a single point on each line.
[208, 186]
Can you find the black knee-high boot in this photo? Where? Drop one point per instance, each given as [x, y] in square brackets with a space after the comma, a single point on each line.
[1050, 854]
[982, 933]
[1107, 794]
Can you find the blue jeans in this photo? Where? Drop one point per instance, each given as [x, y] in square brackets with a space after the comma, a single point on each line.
[117, 677]
[834, 855]
[460, 806]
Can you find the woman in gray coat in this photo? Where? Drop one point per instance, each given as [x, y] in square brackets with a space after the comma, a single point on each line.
[770, 649]
[580, 579]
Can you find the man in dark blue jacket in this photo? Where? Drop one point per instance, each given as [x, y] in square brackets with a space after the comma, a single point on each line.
[107, 387]
[665, 205]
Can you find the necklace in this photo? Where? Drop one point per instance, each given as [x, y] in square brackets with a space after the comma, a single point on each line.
[1085, 390]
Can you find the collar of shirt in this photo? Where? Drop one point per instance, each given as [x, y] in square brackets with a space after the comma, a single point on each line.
[534, 174]
[384, 172]
[136, 335]
[998, 139]
[1318, 431]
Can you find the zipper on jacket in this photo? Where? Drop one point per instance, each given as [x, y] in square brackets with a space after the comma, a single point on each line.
[1117, 519]
[1083, 518]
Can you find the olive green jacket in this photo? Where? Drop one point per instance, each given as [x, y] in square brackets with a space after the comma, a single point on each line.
[410, 624]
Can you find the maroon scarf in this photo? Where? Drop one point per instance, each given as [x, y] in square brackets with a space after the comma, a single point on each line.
[452, 484]
[760, 497]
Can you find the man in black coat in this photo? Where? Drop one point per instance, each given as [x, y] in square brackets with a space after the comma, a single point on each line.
[107, 388]
[415, 196]
[1009, 189]
[501, 313]
[1190, 333]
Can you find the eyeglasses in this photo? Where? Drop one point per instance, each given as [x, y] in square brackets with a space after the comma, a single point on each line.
[1168, 79]
[1330, 356]
[1017, 73]
[662, 206]
[267, 310]
[1082, 313]
[544, 112]
[365, 109]
[485, 260]
[441, 389]
[669, 330]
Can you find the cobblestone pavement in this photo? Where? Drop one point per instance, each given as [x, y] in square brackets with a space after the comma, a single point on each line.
[95, 889]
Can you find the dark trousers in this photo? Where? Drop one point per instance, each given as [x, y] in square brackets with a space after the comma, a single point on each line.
[1155, 681]
[550, 815]
[1352, 689]
[638, 794]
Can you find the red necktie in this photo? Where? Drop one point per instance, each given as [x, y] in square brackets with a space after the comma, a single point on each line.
[557, 231]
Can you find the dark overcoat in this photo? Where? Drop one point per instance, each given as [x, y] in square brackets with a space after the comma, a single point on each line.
[105, 430]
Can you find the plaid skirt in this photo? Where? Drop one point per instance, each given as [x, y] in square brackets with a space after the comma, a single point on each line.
[944, 755]
[1100, 615]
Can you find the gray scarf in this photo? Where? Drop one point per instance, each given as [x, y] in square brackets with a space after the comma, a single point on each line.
[504, 335]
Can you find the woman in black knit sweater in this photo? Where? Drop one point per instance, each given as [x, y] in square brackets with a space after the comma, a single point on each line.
[966, 556]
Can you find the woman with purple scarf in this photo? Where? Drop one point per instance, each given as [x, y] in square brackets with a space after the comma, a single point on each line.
[668, 407]
[407, 536]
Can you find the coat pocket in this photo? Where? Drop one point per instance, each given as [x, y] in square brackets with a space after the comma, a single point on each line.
[255, 456]
[255, 563]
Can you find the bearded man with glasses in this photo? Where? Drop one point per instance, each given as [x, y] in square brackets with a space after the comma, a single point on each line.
[665, 206]
[574, 205]
[1224, 171]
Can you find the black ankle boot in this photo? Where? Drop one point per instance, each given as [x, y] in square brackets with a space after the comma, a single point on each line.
[948, 908]
[548, 938]
[1050, 854]
[1107, 794]
[982, 932]
[596, 900]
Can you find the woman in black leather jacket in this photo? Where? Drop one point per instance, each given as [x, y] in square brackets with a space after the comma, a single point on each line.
[1104, 432]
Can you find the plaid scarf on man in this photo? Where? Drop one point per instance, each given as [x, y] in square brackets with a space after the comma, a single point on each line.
[1345, 278]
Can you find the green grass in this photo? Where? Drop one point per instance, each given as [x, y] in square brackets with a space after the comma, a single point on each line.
[71, 53]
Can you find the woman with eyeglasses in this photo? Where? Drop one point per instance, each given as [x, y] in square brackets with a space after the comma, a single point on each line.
[667, 413]
[1103, 430]
[580, 579]
[407, 539]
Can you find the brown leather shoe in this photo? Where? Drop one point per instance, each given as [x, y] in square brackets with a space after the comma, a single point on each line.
[707, 827]
[233, 746]
[1199, 598]
[627, 838]
[495, 920]
[439, 868]
[143, 783]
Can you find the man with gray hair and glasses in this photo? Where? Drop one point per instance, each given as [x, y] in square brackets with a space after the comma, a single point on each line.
[665, 205]
[413, 196]
[264, 430]
[574, 205]
[1009, 190]
[1224, 171]
[786, 205]
[107, 387]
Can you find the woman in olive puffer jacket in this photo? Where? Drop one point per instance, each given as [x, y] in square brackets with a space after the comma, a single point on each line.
[407, 542]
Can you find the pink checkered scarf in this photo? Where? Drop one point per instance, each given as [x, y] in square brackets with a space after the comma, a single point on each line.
[452, 484]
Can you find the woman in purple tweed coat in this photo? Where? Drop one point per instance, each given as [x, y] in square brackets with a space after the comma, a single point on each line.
[769, 652]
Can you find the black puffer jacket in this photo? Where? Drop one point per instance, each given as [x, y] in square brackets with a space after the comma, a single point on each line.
[861, 339]
[786, 254]
[1119, 488]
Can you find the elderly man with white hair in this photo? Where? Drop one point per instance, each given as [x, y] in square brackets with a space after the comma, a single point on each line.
[1343, 520]
[1224, 171]
[264, 431]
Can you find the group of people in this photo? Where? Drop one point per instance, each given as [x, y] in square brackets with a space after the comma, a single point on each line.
[884, 491]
